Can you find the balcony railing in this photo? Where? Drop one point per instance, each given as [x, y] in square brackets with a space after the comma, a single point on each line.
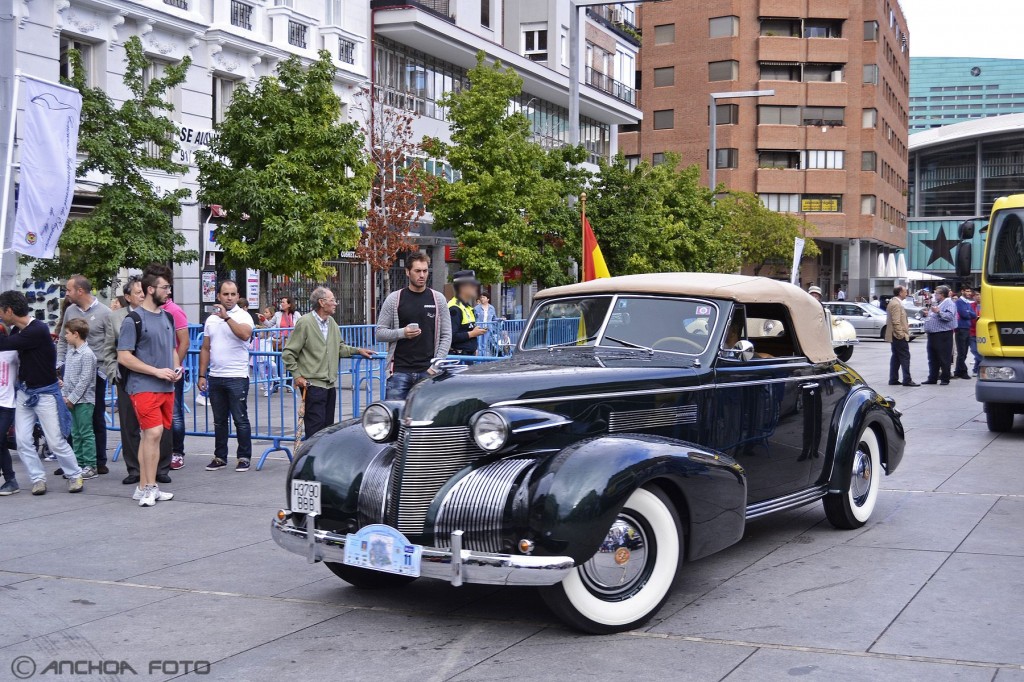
[297, 34]
[442, 8]
[347, 51]
[606, 83]
[180, 4]
[241, 15]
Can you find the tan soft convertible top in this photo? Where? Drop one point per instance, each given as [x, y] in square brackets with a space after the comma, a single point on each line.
[807, 314]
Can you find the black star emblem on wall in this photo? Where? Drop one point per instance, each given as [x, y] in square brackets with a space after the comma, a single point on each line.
[941, 247]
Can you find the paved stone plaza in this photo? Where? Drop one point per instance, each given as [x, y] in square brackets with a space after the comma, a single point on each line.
[931, 589]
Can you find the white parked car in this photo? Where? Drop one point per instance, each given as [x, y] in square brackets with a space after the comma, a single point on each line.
[869, 321]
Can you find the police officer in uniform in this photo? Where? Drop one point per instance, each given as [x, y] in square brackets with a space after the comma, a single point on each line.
[464, 329]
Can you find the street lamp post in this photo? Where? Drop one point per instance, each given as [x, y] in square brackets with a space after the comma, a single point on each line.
[713, 118]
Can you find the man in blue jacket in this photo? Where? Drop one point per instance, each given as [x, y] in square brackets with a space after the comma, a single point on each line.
[965, 313]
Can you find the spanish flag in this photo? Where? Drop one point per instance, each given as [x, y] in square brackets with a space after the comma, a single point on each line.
[594, 266]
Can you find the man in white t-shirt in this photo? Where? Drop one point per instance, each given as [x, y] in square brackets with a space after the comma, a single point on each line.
[224, 374]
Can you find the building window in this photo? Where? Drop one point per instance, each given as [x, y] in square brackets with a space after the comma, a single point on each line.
[664, 76]
[781, 203]
[779, 71]
[84, 50]
[869, 161]
[535, 42]
[347, 51]
[727, 158]
[180, 4]
[823, 116]
[823, 73]
[664, 119]
[724, 27]
[776, 115]
[871, 74]
[485, 13]
[664, 34]
[241, 14]
[786, 28]
[222, 91]
[867, 204]
[821, 203]
[632, 161]
[778, 159]
[297, 34]
[870, 30]
[869, 118]
[723, 71]
[657, 158]
[823, 28]
[821, 159]
[727, 114]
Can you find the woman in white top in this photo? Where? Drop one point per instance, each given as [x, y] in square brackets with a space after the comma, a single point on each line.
[8, 378]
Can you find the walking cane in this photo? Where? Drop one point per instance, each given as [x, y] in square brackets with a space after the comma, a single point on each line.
[300, 421]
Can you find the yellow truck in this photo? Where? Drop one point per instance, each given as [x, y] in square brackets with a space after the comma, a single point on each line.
[1000, 385]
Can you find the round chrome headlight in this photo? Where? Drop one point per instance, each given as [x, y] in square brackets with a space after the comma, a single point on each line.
[490, 431]
[378, 422]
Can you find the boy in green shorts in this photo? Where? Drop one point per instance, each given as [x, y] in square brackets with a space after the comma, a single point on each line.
[79, 391]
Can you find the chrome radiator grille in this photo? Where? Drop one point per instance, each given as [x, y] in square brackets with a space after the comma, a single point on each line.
[373, 491]
[477, 503]
[427, 459]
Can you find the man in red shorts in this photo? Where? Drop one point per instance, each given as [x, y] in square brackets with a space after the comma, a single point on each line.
[146, 348]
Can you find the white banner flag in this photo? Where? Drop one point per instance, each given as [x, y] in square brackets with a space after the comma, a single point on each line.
[798, 252]
[49, 150]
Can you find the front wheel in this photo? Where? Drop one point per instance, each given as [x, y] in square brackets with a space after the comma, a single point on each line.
[881, 333]
[852, 507]
[630, 577]
[365, 579]
[999, 417]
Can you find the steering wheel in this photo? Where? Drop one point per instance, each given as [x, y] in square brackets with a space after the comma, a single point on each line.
[678, 339]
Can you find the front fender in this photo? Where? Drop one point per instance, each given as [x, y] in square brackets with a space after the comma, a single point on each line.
[576, 495]
[337, 457]
[864, 407]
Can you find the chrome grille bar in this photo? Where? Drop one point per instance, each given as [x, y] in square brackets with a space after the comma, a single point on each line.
[638, 420]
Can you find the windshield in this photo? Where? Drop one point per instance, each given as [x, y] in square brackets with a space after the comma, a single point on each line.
[638, 322]
[1005, 258]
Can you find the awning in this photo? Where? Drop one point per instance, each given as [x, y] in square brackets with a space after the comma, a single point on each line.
[915, 276]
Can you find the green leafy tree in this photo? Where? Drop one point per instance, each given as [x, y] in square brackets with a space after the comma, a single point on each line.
[132, 224]
[292, 176]
[764, 237]
[509, 208]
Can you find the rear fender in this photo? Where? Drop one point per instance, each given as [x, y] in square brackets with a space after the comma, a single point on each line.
[576, 495]
[864, 407]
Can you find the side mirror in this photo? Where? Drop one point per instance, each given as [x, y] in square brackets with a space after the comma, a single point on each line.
[964, 256]
[966, 230]
[866, 314]
[743, 350]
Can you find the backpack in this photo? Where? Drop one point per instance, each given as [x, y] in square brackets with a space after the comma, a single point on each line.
[137, 319]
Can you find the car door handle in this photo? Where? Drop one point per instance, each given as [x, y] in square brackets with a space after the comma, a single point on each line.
[810, 387]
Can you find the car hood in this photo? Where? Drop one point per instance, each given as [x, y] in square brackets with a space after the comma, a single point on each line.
[538, 377]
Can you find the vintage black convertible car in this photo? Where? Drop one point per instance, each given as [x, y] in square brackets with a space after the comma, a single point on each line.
[641, 422]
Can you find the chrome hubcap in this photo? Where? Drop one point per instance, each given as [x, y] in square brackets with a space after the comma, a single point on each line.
[860, 482]
[619, 564]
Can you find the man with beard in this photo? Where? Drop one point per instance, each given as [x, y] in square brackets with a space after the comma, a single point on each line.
[145, 348]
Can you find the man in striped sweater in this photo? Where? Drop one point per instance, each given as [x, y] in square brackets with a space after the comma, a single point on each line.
[415, 323]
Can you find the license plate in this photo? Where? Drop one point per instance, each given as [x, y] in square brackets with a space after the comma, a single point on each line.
[382, 548]
[306, 497]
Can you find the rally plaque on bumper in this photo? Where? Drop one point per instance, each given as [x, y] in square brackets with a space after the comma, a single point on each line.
[382, 548]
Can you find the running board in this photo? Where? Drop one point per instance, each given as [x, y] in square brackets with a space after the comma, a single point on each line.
[797, 499]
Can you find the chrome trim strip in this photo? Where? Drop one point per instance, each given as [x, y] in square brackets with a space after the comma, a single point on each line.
[797, 499]
[654, 418]
[662, 391]
[474, 567]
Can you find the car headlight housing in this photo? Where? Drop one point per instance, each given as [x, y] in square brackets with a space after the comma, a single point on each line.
[490, 431]
[996, 373]
[380, 422]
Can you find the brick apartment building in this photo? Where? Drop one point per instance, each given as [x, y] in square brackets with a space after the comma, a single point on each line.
[830, 145]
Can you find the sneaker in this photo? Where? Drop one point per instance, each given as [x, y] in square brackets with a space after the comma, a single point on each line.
[50, 458]
[163, 478]
[148, 498]
[243, 465]
[201, 400]
[137, 495]
[161, 496]
[130, 479]
[39, 488]
[216, 464]
[177, 462]
[9, 487]
[102, 470]
[75, 485]
[89, 472]
[58, 472]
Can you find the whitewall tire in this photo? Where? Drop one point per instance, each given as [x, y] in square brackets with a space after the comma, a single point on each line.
[852, 507]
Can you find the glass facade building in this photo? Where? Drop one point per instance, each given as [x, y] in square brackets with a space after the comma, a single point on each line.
[945, 90]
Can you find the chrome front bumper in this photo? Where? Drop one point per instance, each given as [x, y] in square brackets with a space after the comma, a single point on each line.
[469, 567]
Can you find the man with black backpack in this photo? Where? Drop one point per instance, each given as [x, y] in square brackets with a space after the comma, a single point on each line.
[146, 348]
[134, 295]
